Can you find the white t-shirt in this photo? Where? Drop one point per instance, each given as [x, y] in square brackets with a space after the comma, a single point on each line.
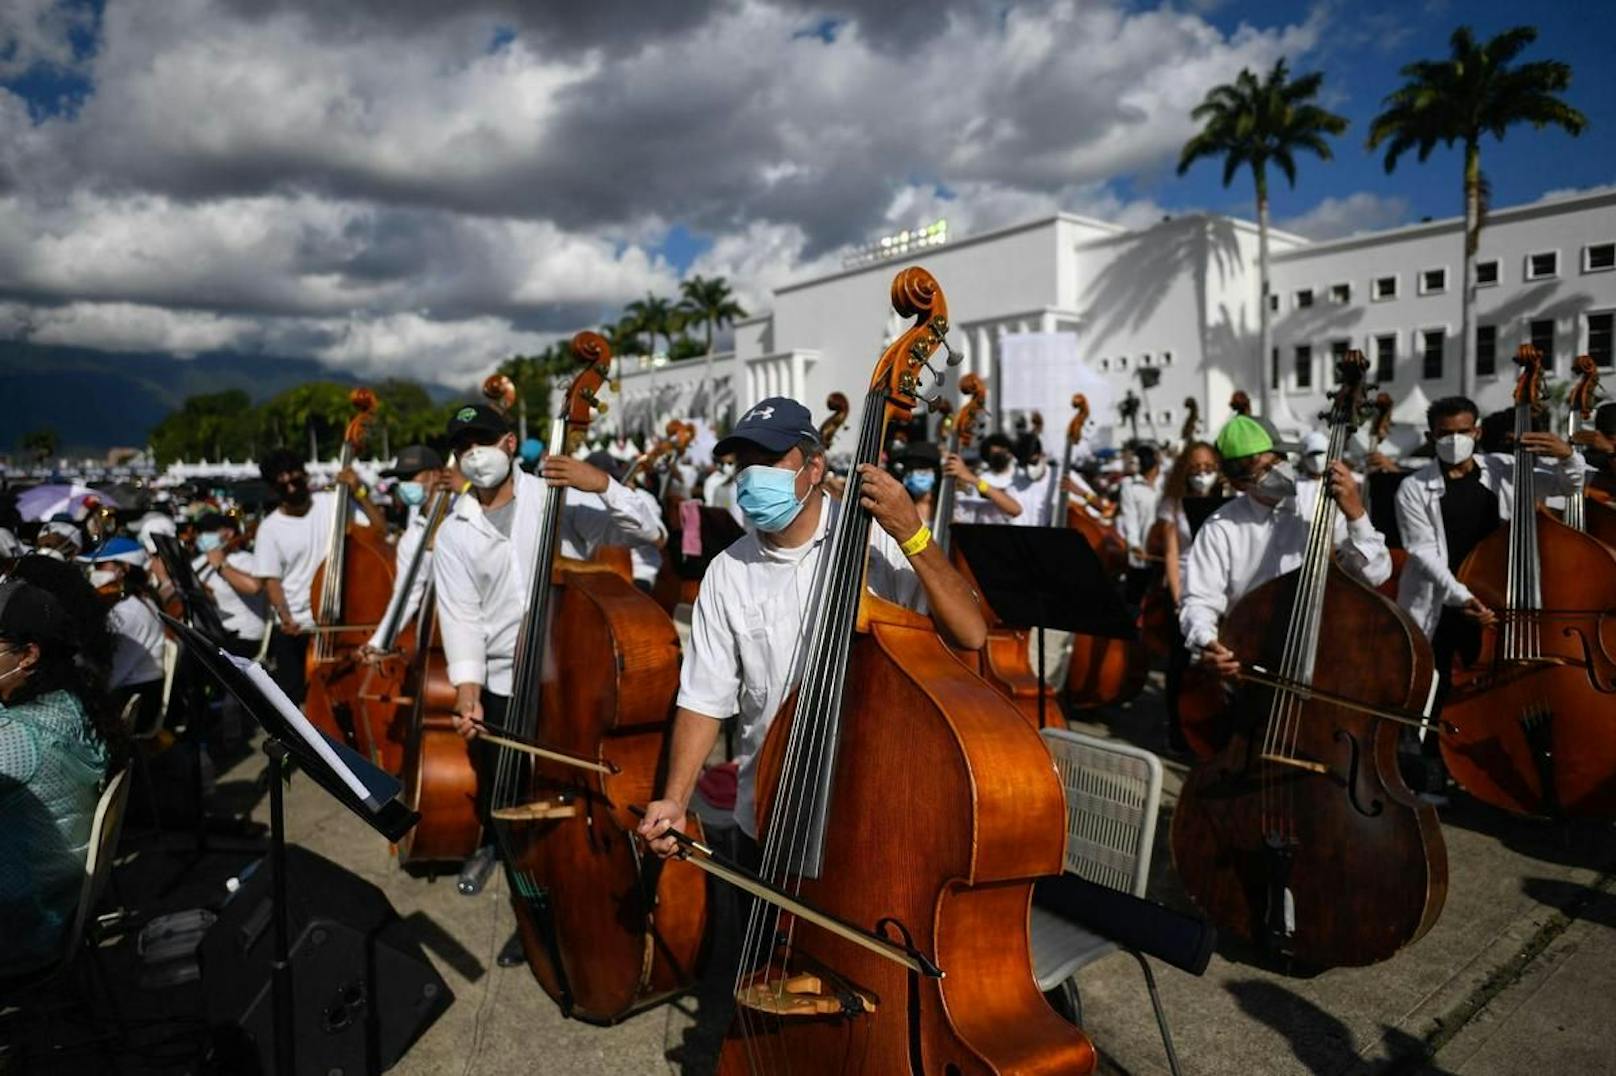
[1035, 495]
[137, 643]
[292, 548]
[971, 507]
[1136, 511]
[646, 557]
[749, 632]
[242, 616]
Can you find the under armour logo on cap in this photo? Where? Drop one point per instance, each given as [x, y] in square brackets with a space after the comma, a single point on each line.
[762, 414]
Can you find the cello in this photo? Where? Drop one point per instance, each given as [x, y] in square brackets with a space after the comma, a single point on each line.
[1532, 707]
[1100, 671]
[1587, 511]
[838, 406]
[888, 724]
[1299, 835]
[349, 595]
[606, 931]
[961, 431]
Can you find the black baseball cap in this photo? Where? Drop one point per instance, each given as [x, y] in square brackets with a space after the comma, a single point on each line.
[477, 419]
[415, 459]
[607, 462]
[774, 424]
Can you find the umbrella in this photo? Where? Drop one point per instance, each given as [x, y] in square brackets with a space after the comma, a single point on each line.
[44, 502]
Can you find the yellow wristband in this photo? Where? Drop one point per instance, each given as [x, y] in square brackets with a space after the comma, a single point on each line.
[982, 486]
[361, 492]
[917, 541]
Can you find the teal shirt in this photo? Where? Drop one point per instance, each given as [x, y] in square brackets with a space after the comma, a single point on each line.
[52, 766]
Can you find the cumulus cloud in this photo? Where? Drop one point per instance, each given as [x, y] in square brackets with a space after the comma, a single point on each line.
[376, 171]
[1362, 211]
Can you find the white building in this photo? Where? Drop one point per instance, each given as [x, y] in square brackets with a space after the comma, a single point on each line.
[1181, 298]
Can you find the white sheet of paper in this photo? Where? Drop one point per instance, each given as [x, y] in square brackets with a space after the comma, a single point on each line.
[300, 724]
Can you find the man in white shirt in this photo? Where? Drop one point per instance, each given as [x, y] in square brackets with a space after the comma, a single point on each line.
[482, 569]
[291, 545]
[718, 488]
[749, 629]
[985, 498]
[1033, 487]
[1136, 512]
[1258, 536]
[645, 557]
[420, 474]
[118, 567]
[227, 572]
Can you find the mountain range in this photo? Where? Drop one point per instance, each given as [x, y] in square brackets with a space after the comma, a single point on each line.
[96, 400]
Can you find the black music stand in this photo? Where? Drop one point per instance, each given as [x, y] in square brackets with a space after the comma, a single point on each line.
[367, 791]
[1043, 577]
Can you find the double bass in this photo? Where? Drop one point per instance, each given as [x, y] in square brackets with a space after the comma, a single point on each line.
[1299, 835]
[606, 931]
[1590, 510]
[1100, 671]
[888, 724]
[349, 595]
[1532, 707]
[837, 404]
[961, 431]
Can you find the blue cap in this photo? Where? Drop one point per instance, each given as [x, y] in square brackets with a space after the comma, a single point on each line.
[775, 424]
[120, 548]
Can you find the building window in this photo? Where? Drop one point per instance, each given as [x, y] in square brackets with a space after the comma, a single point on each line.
[1105, 364]
[1304, 298]
[1273, 302]
[1487, 273]
[1122, 362]
[1599, 257]
[1542, 333]
[1166, 418]
[1542, 266]
[1486, 350]
[1273, 369]
[1304, 366]
[1385, 358]
[1599, 338]
[1338, 355]
[1433, 281]
[1144, 360]
[1341, 293]
[1385, 287]
[1432, 341]
[1167, 358]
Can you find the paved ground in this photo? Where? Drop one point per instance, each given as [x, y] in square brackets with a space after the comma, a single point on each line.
[1516, 977]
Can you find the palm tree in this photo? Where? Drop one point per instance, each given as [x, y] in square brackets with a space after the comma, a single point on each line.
[710, 303]
[1473, 92]
[655, 317]
[1254, 122]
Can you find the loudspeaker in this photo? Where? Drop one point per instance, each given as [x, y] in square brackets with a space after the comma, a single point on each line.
[362, 990]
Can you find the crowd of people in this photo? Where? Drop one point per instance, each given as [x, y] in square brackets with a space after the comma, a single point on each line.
[85, 658]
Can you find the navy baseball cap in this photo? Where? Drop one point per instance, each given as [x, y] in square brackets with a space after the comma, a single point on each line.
[477, 419]
[775, 424]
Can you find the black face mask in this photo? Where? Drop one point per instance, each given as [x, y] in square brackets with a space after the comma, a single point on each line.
[998, 461]
[1598, 460]
[296, 492]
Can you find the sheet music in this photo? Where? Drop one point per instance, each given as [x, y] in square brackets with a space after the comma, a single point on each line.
[301, 725]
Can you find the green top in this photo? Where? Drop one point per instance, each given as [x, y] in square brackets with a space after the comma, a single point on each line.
[52, 765]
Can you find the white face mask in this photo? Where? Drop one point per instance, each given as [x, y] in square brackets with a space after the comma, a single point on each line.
[1277, 484]
[1201, 482]
[1035, 471]
[103, 577]
[1313, 463]
[1455, 448]
[485, 466]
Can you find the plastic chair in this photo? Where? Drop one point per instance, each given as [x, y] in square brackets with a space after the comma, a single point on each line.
[1113, 793]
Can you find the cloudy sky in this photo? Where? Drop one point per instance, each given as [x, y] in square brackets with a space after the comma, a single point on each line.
[420, 187]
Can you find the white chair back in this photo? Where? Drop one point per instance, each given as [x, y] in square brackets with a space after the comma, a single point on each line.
[1113, 792]
[104, 832]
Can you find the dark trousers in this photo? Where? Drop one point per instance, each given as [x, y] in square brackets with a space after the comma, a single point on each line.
[287, 655]
[485, 759]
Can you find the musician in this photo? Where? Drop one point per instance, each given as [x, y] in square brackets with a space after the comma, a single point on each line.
[987, 496]
[749, 630]
[60, 539]
[483, 554]
[1258, 536]
[917, 465]
[1195, 477]
[718, 488]
[291, 545]
[1031, 487]
[226, 569]
[1136, 509]
[118, 573]
[1599, 441]
[646, 557]
[420, 474]
[1447, 507]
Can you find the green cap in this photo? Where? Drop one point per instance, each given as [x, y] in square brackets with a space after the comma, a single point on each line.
[1243, 436]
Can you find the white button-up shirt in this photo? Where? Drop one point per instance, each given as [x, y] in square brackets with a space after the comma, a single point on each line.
[482, 578]
[1244, 544]
[241, 616]
[1427, 583]
[749, 632]
[1136, 511]
[408, 602]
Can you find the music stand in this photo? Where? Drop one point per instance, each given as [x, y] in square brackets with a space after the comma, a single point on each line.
[1043, 577]
[367, 791]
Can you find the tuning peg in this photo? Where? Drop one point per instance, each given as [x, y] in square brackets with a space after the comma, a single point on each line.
[600, 406]
[935, 403]
[954, 357]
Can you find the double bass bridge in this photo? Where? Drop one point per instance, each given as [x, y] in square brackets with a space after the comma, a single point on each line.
[1537, 724]
[804, 995]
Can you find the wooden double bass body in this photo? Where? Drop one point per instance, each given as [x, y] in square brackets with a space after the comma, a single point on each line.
[439, 779]
[607, 930]
[941, 809]
[353, 587]
[1300, 835]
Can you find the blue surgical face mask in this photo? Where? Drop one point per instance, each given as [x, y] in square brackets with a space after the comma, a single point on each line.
[208, 541]
[768, 496]
[412, 493]
[920, 483]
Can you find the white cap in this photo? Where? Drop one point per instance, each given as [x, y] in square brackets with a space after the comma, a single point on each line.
[150, 524]
[9, 545]
[1316, 443]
